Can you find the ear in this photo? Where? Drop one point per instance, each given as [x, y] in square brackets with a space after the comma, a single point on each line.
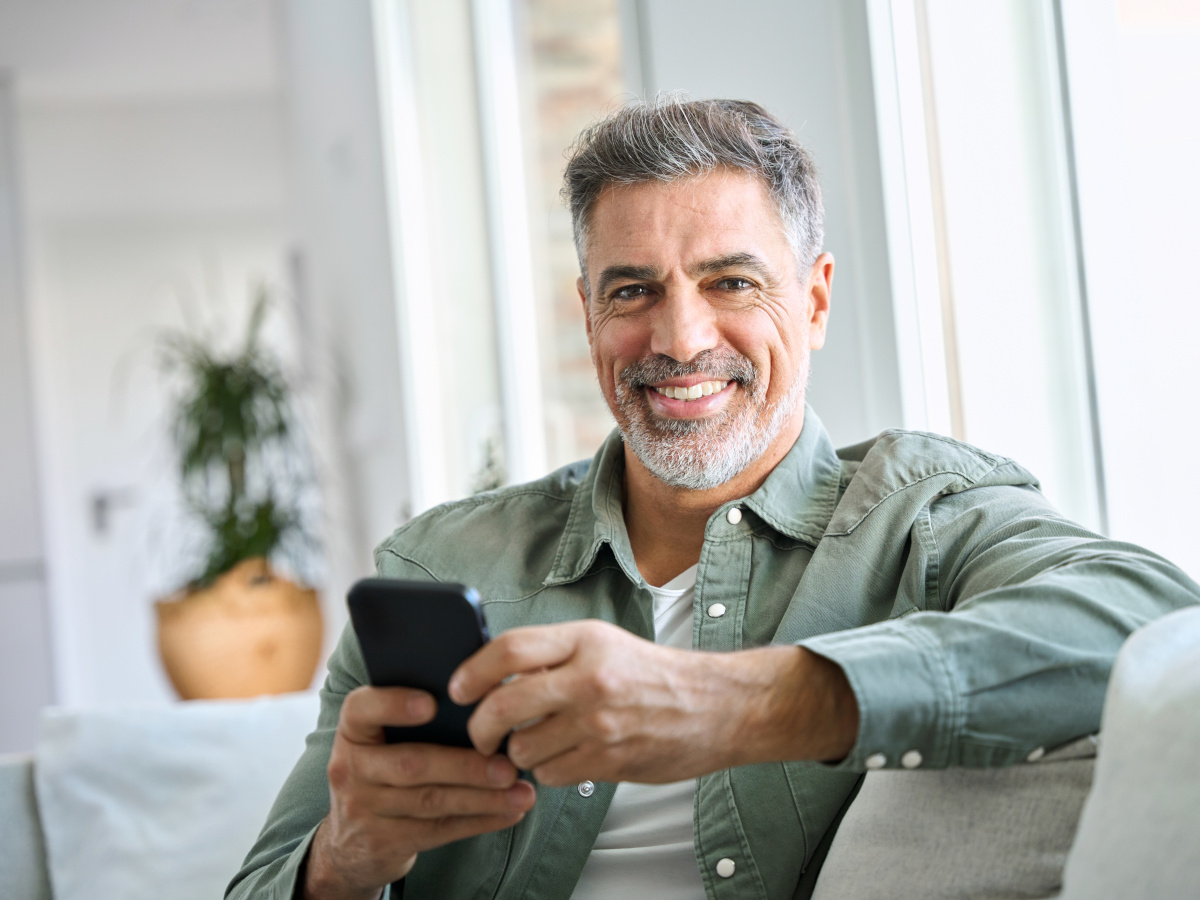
[587, 317]
[820, 289]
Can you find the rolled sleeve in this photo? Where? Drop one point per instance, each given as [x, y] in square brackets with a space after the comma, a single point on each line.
[1010, 642]
[906, 698]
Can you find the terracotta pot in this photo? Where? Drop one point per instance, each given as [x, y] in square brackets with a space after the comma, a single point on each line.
[251, 632]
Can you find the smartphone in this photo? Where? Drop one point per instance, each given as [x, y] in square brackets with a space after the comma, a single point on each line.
[415, 634]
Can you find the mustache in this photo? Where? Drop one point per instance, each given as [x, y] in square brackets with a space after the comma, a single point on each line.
[723, 365]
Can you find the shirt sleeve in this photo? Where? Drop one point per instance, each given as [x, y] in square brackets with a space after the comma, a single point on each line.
[275, 863]
[1009, 648]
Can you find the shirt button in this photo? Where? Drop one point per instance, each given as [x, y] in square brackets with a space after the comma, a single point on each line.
[912, 759]
[586, 789]
[717, 610]
[875, 761]
[734, 516]
[1035, 754]
[726, 867]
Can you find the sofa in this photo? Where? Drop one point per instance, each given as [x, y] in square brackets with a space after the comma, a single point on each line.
[165, 801]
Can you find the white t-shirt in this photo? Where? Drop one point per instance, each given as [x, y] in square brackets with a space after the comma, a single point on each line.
[645, 844]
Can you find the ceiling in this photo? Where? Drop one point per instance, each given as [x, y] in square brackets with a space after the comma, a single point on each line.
[88, 50]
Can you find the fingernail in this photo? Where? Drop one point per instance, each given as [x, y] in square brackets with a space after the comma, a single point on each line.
[455, 689]
[500, 770]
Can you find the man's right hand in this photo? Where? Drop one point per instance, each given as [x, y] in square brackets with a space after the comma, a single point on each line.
[389, 802]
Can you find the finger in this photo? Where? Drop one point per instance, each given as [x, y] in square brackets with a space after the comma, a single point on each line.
[517, 651]
[438, 801]
[573, 766]
[525, 699]
[366, 710]
[536, 745]
[453, 829]
[405, 765]
[394, 842]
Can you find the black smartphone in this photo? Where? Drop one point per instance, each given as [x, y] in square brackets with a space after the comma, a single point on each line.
[415, 634]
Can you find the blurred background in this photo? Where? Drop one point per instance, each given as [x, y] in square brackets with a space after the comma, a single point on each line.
[1010, 191]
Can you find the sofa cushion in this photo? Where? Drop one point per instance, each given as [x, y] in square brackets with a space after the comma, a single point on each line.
[952, 834]
[23, 873]
[162, 801]
[1139, 835]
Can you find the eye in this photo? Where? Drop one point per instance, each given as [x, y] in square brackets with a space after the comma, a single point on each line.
[631, 292]
[735, 283]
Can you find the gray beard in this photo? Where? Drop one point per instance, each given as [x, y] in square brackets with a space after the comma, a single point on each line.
[700, 454]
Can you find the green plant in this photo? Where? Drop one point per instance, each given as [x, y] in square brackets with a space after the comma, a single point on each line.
[239, 453]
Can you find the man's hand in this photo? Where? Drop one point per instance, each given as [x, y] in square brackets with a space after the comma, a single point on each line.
[389, 802]
[593, 701]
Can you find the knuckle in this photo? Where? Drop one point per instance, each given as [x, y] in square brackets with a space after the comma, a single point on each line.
[599, 632]
[353, 702]
[501, 705]
[429, 800]
[338, 772]
[512, 650]
[604, 683]
[604, 724]
[411, 766]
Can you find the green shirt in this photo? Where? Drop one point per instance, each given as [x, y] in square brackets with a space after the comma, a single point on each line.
[973, 622]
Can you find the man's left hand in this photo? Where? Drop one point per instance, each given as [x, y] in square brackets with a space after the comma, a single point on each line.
[593, 701]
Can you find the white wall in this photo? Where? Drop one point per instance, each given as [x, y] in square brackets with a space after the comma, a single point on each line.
[122, 158]
[1134, 77]
[1009, 250]
[141, 215]
[809, 63]
[338, 217]
[26, 679]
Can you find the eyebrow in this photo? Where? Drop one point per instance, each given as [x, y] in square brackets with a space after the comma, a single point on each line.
[733, 261]
[711, 266]
[625, 273]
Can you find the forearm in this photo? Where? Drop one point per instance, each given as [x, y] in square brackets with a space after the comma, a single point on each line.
[1019, 661]
[274, 865]
[320, 879]
[788, 703]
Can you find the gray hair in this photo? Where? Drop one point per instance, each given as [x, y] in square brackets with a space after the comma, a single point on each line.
[669, 138]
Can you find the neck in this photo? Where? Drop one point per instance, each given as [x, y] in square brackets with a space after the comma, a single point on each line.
[666, 524]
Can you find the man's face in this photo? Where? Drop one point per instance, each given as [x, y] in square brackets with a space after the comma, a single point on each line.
[700, 325]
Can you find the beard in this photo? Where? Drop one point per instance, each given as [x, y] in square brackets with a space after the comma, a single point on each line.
[700, 454]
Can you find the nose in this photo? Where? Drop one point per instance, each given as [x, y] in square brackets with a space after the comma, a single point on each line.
[684, 325]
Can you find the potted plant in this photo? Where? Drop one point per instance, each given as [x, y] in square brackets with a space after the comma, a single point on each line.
[238, 628]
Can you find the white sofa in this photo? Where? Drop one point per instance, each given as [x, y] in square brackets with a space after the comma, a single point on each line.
[128, 804]
[165, 802]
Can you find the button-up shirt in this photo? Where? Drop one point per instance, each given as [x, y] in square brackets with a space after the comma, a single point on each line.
[973, 622]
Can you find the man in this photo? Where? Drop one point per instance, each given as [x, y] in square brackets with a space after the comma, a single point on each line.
[910, 602]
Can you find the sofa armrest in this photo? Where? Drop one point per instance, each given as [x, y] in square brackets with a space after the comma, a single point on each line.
[961, 834]
[1138, 833]
[23, 875]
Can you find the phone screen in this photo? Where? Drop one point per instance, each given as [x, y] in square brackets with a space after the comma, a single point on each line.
[415, 634]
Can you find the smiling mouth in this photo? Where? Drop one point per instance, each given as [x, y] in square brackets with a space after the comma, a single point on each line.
[695, 392]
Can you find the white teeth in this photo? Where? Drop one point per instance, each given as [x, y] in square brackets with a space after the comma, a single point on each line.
[695, 392]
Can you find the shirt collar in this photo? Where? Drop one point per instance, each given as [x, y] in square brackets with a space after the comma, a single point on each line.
[799, 495]
[797, 500]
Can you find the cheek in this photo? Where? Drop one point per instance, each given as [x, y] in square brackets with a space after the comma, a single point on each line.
[756, 338]
[615, 345]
